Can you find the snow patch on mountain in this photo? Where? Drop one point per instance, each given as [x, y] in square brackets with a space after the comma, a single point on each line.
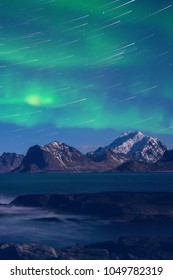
[125, 142]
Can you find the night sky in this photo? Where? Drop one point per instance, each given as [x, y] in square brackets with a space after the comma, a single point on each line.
[83, 72]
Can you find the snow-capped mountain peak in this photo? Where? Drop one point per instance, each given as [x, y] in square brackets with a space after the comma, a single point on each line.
[60, 151]
[135, 145]
[125, 142]
[55, 156]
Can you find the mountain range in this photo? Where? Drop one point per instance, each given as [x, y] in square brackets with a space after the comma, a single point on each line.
[131, 152]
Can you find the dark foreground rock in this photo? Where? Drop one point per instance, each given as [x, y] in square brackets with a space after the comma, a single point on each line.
[143, 248]
[127, 248]
[26, 251]
[118, 206]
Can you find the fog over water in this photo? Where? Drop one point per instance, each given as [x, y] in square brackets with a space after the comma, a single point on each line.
[21, 224]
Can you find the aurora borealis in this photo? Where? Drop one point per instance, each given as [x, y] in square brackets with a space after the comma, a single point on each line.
[82, 72]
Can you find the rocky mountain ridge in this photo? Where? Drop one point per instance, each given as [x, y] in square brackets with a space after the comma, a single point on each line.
[131, 152]
[10, 161]
[55, 157]
[115, 206]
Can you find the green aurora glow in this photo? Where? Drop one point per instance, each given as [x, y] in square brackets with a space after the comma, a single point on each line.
[95, 65]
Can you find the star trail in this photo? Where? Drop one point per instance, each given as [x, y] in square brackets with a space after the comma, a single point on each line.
[84, 71]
